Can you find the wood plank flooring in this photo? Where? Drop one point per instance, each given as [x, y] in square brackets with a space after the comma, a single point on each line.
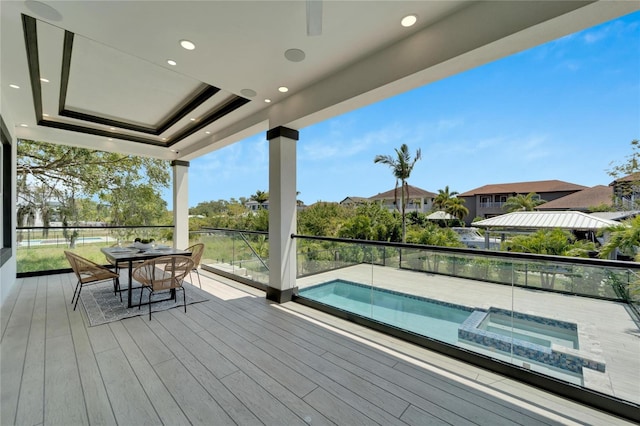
[237, 359]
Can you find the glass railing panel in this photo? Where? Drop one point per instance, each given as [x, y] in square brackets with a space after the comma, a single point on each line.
[244, 254]
[572, 320]
[41, 250]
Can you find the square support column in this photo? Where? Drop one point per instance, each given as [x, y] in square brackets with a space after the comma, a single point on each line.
[282, 213]
[180, 203]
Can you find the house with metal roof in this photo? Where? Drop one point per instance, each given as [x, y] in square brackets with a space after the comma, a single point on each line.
[488, 200]
[534, 220]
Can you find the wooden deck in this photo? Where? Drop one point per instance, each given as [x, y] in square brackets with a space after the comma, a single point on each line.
[238, 359]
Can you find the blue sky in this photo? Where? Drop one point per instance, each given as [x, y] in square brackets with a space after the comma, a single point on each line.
[563, 110]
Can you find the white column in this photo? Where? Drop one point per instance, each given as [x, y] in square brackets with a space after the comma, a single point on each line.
[282, 213]
[180, 204]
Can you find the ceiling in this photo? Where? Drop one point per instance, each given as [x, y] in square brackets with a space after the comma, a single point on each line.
[95, 73]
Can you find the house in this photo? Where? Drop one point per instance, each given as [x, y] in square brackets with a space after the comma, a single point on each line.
[354, 201]
[626, 191]
[584, 200]
[419, 200]
[254, 206]
[488, 200]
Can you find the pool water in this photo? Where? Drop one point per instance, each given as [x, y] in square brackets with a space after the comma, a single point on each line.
[529, 331]
[547, 342]
[419, 315]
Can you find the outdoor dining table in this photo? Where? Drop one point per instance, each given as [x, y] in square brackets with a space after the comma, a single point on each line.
[132, 254]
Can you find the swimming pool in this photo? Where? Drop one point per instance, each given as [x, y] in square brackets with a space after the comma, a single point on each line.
[423, 316]
[532, 338]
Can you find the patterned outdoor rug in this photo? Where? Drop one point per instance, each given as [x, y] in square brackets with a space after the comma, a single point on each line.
[102, 306]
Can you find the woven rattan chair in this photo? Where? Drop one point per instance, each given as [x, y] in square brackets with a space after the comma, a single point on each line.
[89, 272]
[196, 255]
[162, 274]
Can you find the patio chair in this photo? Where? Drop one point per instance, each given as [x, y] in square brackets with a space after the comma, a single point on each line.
[196, 255]
[89, 272]
[162, 274]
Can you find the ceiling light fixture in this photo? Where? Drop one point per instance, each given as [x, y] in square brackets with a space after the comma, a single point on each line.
[295, 55]
[283, 89]
[14, 86]
[409, 20]
[172, 62]
[43, 10]
[44, 80]
[112, 128]
[45, 115]
[208, 132]
[249, 93]
[187, 44]
[267, 100]
[24, 125]
[192, 119]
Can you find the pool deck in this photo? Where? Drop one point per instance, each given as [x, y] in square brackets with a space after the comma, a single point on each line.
[606, 330]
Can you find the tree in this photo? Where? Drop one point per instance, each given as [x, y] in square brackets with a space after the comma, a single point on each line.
[627, 179]
[631, 164]
[553, 242]
[402, 165]
[624, 237]
[443, 197]
[68, 174]
[322, 219]
[522, 202]
[260, 197]
[455, 207]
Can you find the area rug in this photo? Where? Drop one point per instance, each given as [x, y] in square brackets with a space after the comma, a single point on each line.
[103, 306]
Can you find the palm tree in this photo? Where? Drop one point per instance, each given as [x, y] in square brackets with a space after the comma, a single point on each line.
[260, 196]
[455, 207]
[443, 197]
[402, 166]
[521, 202]
[625, 237]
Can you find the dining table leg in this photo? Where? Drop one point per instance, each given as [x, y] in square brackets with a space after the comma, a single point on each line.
[129, 290]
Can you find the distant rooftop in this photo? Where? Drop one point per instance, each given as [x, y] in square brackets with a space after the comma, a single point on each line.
[539, 187]
[414, 192]
[581, 200]
[572, 220]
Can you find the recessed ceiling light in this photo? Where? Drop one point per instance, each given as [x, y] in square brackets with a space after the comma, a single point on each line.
[109, 139]
[192, 119]
[267, 100]
[44, 80]
[164, 139]
[295, 55]
[283, 89]
[187, 44]
[14, 86]
[172, 62]
[409, 20]
[45, 115]
[24, 125]
[112, 128]
[208, 132]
